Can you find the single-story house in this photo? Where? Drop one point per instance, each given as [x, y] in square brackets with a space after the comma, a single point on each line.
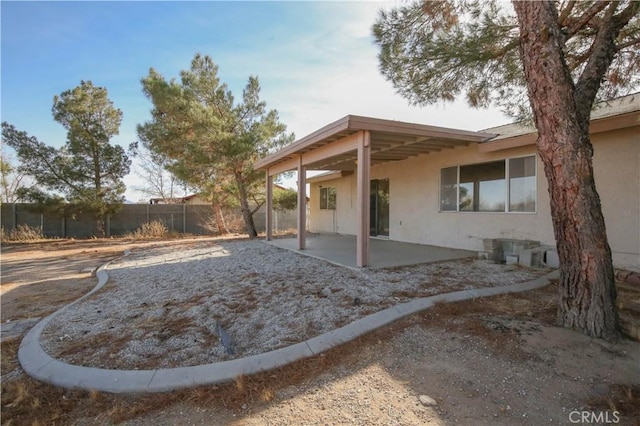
[195, 199]
[456, 188]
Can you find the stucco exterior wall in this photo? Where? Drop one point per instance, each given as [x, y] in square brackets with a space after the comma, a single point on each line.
[616, 163]
[343, 219]
[415, 214]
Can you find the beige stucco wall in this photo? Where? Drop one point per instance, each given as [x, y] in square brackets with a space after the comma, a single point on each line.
[343, 219]
[414, 200]
[616, 164]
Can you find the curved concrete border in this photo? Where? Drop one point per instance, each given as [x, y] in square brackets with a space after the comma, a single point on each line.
[39, 365]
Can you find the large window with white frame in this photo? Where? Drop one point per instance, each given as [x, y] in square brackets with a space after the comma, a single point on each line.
[497, 186]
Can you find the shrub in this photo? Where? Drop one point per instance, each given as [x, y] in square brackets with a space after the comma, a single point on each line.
[22, 233]
[155, 229]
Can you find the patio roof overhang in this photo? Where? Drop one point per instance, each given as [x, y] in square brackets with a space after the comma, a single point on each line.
[334, 146]
[356, 143]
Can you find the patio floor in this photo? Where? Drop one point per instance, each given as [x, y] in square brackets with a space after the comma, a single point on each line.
[341, 250]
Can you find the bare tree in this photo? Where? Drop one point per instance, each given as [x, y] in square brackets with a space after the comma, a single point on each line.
[12, 180]
[159, 181]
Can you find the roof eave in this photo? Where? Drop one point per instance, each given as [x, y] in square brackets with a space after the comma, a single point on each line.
[357, 123]
[598, 125]
[326, 131]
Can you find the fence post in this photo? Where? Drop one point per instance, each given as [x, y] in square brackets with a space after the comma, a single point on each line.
[64, 226]
[42, 223]
[184, 218]
[108, 225]
[14, 214]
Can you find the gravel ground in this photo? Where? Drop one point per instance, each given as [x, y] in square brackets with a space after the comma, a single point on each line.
[205, 302]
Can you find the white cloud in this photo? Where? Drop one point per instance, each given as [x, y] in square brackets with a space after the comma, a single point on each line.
[317, 77]
[338, 75]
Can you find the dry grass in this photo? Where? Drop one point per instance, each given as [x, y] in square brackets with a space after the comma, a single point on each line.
[115, 343]
[59, 406]
[22, 233]
[498, 321]
[162, 328]
[149, 230]
[625, 399]
[42, 298]
[56, 406]
[405, 294]
[9, 361]
[24, 400]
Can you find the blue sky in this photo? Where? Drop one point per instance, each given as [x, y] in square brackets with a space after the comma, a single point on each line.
[316, 61]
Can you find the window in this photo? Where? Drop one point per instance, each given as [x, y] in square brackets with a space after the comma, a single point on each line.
[482, 187]
[522, 184]
[449, 189]
[498, 186]
[327, 198]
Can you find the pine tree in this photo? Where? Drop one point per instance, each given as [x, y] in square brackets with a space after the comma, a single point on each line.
[549, 60]
[212, 140]
[87, 169]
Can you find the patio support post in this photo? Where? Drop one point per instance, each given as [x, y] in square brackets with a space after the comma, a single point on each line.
[302, 205]
[268, 216]
[363, 202]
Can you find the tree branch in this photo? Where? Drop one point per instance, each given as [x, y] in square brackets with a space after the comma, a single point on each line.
[604, 50]
[562, 19]
[576, 25]
[576, 60]
[629, 43]
[629, 12]
[53, 171]
[258, 205]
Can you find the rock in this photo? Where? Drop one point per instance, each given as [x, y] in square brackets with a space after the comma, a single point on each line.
[225, 339]
[357, 301]
[427, 401]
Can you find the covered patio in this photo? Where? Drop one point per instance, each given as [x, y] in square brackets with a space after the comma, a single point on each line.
[341, 250]
[355, 144]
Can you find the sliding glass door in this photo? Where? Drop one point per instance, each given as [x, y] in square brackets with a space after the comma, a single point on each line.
[379, 208]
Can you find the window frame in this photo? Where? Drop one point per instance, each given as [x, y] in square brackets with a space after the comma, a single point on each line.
[508, 184]
[325, 192]
[507, 194]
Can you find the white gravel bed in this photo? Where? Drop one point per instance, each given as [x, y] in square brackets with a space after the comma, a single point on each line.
[164, 307]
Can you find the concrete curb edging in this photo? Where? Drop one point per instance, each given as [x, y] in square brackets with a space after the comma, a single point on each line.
[39, 365]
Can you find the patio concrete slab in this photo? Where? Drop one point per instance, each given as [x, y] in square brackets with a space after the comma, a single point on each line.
[341, 250]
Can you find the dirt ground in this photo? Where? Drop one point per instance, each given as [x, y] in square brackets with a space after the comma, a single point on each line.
[489, 361]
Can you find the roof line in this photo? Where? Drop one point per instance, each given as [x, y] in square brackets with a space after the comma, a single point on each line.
[356, 123]
[331, 128]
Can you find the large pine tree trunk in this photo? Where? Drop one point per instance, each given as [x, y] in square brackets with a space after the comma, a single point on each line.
[587, 287]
